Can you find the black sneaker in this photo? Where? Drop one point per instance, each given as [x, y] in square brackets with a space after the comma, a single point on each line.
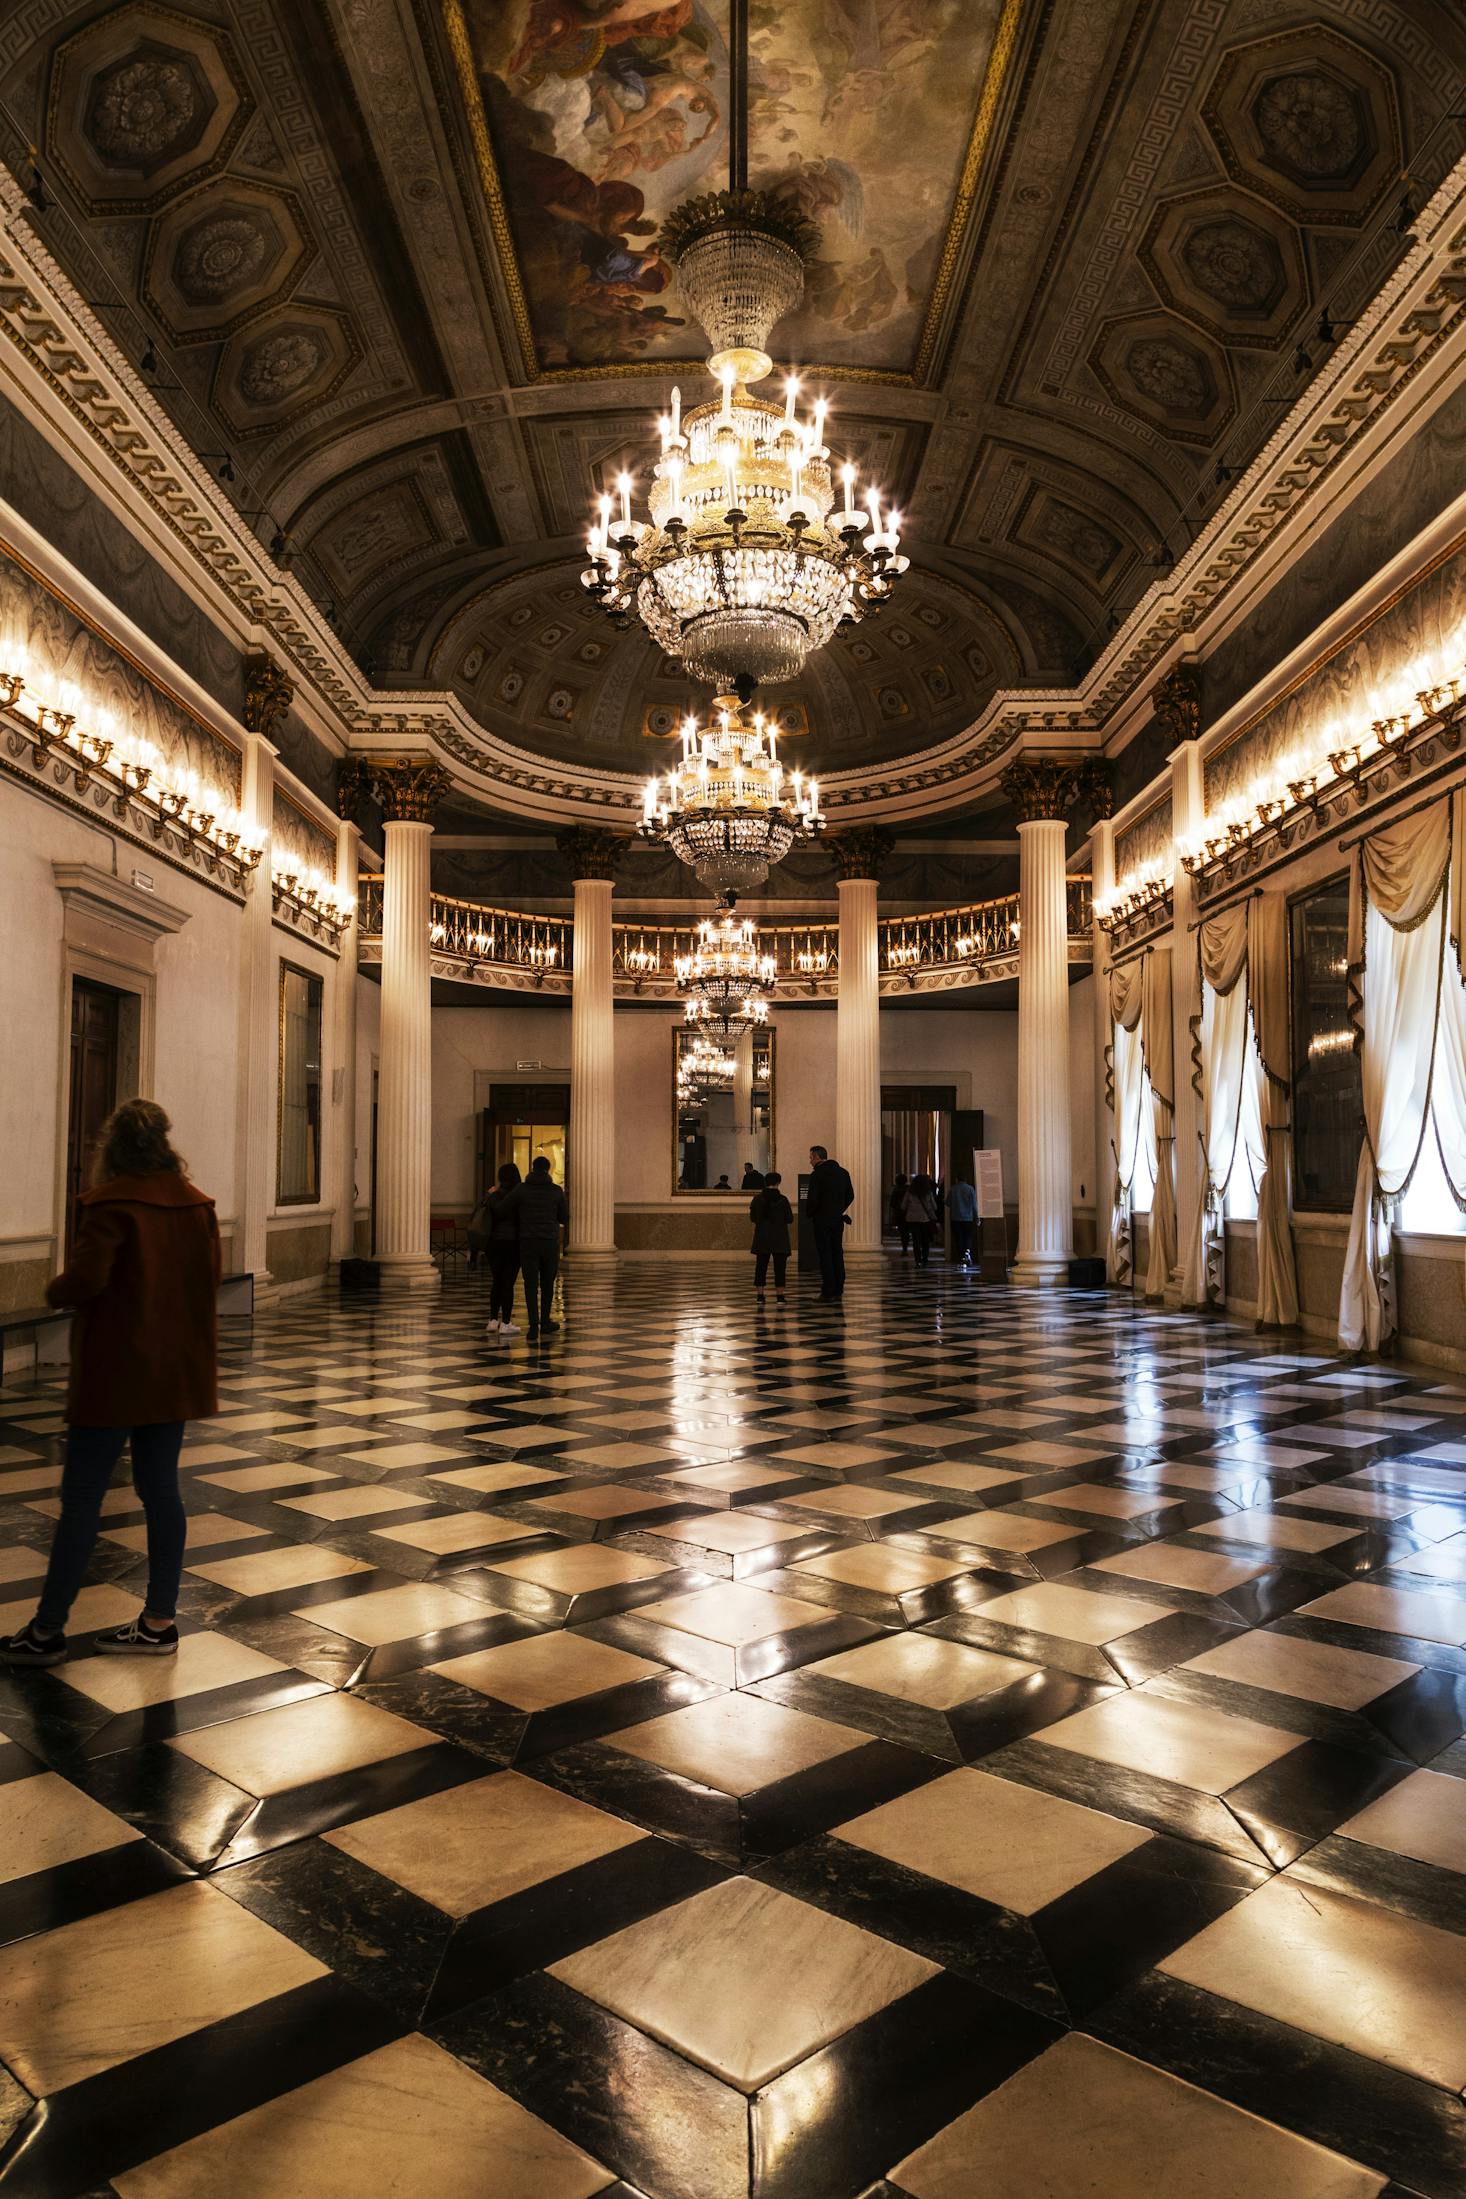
[137, 1640]
[33, 1650]
[551, 1328]
[531, 1334]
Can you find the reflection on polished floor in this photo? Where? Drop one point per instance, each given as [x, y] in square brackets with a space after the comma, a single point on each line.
[966, 1742]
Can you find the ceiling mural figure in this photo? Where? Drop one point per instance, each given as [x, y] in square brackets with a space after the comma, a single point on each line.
[605, 114]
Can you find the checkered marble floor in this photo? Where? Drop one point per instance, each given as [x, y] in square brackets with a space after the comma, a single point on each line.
[957, 1742]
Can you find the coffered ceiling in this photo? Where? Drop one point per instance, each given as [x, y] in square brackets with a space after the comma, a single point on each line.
[392, 265]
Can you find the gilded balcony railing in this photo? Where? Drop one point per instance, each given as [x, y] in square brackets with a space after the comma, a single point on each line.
[483, 936]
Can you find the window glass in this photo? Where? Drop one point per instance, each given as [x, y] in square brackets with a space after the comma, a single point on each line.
[298, 1127]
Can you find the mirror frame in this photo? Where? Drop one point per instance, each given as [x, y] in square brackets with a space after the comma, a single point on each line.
[700, 1191]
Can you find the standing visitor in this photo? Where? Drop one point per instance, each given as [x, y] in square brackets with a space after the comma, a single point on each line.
[478, 1233]
[920, 1206]
[143, 1277]
[827, 1201]
[771, 1214]
[962, 1206]
[541, 1214]
[501, 1239]
[896, 1214]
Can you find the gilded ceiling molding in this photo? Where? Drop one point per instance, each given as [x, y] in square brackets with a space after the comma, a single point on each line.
[94, 402]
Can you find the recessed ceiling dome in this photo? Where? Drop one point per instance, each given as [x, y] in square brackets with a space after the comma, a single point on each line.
[538, 665]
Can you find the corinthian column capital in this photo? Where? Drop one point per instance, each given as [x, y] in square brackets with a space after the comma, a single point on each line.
[408, 787]
[1048, 789]
[591, 851]
[861, 852]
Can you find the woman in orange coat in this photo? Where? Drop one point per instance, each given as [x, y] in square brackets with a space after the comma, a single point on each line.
[143, 1277]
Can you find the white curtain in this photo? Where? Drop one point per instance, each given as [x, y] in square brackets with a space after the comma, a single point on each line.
[1267, 986]
[1157, 1036]
[1220, 1063]
[1134, 1122]
[1399, 910]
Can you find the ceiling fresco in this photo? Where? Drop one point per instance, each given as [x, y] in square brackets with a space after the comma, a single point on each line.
[391, 267]
[603, 115]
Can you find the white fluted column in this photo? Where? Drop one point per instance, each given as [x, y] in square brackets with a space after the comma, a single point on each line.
[1188, 813]
[256, 1104]
[343, 1055]
[743, 1090]
[592, 1171]
[858, 1062]
[1045, 1187]
[405, 1078]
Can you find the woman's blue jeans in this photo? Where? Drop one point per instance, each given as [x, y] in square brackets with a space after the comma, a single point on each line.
[91, 1456]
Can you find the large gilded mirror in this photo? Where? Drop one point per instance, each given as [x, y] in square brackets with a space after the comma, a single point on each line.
[722, 1110]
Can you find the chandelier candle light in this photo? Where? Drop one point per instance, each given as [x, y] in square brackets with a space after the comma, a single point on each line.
[727, 808]
[725, 979]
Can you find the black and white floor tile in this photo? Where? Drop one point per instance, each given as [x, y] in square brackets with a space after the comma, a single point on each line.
[955, 1742]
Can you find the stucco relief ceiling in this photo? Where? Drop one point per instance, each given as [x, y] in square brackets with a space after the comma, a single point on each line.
[393, 266]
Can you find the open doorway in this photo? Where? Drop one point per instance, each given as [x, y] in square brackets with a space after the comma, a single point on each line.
[916, 1137]
[94, 1087]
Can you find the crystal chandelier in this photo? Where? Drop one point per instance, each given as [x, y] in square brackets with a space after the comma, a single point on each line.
[727, 808]
[705, 1068]
[703, 1015]
[743, 564]
[725, 975]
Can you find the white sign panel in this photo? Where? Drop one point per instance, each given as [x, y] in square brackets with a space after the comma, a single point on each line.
[988, 1162]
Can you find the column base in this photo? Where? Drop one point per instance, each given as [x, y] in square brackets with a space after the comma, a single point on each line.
[409, 1271]
[1040, 1270]
[863, 1255]
[581, 1255]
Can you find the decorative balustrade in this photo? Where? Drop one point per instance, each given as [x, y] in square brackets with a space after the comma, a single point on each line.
[950, 946]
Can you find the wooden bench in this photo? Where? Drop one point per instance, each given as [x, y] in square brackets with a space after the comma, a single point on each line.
[47, 1327]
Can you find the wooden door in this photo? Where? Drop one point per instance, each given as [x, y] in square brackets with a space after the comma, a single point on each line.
[95, 1031]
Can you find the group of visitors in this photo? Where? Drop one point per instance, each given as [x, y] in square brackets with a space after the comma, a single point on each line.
[518, 1229]
[915, 1212]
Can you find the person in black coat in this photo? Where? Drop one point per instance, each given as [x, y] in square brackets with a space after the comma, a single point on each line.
[771, 1214]
[501, 1243]
[828, 1196]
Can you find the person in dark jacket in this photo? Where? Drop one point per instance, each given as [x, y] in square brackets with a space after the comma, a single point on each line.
[897, 1214]
[539, 1209]
[920, 1207]
[771, 1214]
[143, 1277]
[478, 1231]
[827, 1199]
[962, 1206]
[501, 1243]
[752, 1180]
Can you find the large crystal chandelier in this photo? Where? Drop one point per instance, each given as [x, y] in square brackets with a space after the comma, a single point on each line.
[727, 808]
[705, 1067]
[725, 1025]
[743, 564]
[725, 977]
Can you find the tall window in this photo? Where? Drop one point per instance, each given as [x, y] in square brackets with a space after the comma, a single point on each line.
[298, 1123]
[1328, 1095]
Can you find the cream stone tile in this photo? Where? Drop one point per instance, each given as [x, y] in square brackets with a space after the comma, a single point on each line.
[736, 1742]
[1277, 1530]
[1420, 1613]
[1316, 1672]
[21, 1563]
[536, 1438]
[110, 1987]
[23, 1482]
[436, 1423]
[1072, 1614]
[733, 1614]
[299, 1743]
[203, 1661]
[951, 1473]
[619, 1458]
[358, 1500]
[457, 1531]
[1193, 1745]
[877, 1566]
[1055, 1455]
[544, 1670]
[612, 1502]
[1365, 1503]
[247, 1479]
[731, 1532]
[392, 1457]
[743, 1979]
[1085, 2122]
[1008, 1844]
[1367, 1978]
[368, 1407]
[834, 1457]
[94, 1607]
[1424, 1817]
[1093, 1496]
[1443, 1561]
[504, 1474]
[256, 1423]
[206, 1531]
[729, 1480]
[323, 1439]
[921, 1668]
[393, 1614]
[216, 1454]
[265, 1572]
[479, 1843]
[1004, 1531]
[1174, 1565]
[580, 1569]
[402, 2121]
[854, 1500]
[46, 1821]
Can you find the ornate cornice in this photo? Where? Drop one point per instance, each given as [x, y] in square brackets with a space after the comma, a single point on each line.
[408, 788]
[93, 403]
[861, 852]
[591, 852]
[268, 694]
